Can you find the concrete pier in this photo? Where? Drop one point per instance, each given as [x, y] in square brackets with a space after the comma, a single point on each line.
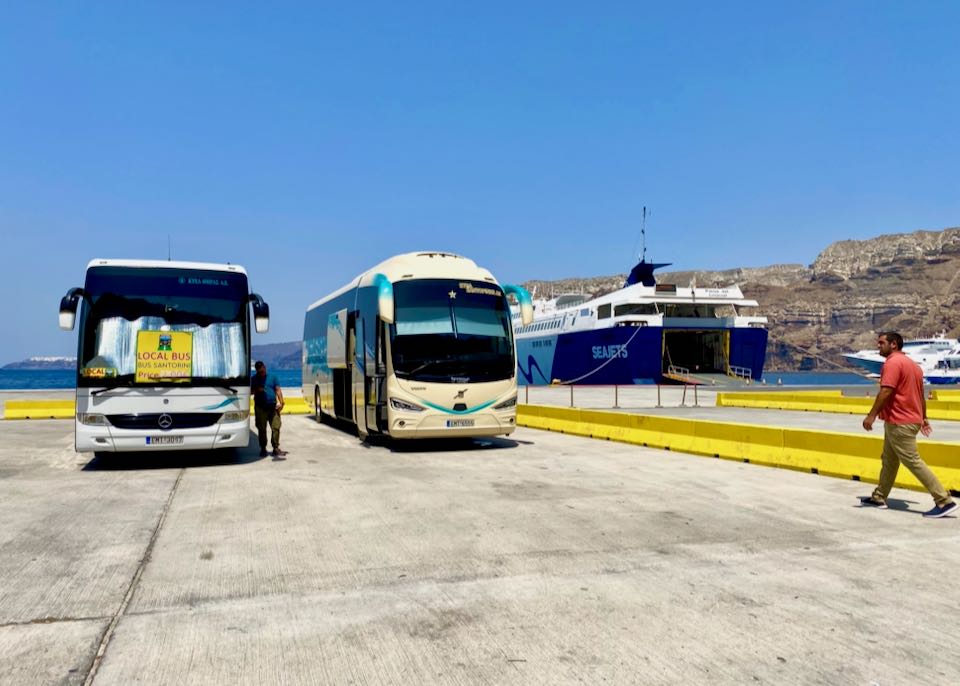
[538, 559]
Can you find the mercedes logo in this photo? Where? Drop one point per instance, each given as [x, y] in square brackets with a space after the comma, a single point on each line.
[165, 421]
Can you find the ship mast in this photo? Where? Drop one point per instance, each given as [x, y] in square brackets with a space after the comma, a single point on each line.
[643, 235]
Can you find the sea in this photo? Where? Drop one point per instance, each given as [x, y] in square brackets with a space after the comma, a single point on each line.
[28, 379]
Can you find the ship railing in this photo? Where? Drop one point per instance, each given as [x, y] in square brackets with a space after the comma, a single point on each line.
[736, 372]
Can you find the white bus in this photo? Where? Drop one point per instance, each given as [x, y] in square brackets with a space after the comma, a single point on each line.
[163, 358]
[419, 346]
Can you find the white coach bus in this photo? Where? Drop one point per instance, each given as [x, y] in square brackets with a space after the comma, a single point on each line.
[419, 346]
[163, 359]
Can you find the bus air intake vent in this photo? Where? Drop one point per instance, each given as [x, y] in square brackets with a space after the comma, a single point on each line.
[180, 420]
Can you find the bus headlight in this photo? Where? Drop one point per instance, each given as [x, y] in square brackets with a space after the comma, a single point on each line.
[234, 416]
[398, 404]
[91, 419]
[506, 404]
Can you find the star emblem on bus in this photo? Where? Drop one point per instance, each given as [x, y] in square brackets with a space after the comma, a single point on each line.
[452, 294]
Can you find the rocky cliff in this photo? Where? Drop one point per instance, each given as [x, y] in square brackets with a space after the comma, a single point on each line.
[905, 282]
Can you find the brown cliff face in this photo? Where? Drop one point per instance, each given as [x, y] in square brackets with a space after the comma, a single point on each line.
[904, 282]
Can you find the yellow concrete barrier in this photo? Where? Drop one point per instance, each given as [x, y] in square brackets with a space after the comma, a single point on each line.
[936, 409]
[295, 405]
[822, 452]
[945, 394]
[38, 409]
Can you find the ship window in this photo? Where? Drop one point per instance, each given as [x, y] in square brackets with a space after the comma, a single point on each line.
[634, 308]
[603, 312]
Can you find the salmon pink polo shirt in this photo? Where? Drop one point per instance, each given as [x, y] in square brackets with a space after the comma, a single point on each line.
[905, 377]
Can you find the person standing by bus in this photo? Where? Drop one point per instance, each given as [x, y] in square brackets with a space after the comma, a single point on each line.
[267, 404]
[903, 409]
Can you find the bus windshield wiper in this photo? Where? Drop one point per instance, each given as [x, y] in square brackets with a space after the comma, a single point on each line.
[428, 363]
[127, 383]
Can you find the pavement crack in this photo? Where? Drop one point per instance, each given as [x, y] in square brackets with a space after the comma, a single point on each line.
[131, 589]
[50, 620]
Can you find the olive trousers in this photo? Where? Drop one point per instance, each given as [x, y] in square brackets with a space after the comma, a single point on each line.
[900, 445]
[262, 417]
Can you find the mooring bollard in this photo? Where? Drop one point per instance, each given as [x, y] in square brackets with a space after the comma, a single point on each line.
[526, 394]
[683, 398]
[571, 395]
[616, 397]
[658, 395]
[695, 401]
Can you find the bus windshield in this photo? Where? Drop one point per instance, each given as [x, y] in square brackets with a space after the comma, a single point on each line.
[451, 331]
[160, 326]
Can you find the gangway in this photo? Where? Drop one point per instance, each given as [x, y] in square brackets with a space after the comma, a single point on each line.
[719, 379]
[681, 375]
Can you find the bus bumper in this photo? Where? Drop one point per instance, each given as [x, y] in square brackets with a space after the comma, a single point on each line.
[434, 426]
[110, 439]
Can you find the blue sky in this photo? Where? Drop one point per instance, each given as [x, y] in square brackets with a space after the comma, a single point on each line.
[309, 141]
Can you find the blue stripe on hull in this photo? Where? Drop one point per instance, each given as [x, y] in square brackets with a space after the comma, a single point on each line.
[620, 355]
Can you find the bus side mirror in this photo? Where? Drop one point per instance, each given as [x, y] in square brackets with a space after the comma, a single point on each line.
[385, 306]
[68, 308]
[261, 313]
[524, 299]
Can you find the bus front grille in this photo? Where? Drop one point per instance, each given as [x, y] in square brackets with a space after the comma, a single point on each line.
[164, 421]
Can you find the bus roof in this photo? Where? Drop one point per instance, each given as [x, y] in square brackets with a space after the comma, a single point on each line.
[417, 265]
[166, 264]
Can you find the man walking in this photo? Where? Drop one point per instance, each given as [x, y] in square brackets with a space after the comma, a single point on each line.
[267, 404]
[903, 409]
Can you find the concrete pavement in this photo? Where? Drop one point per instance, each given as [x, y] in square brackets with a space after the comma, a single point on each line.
[537, 559]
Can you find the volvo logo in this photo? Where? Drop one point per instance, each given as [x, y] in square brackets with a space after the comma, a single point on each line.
[165, 421]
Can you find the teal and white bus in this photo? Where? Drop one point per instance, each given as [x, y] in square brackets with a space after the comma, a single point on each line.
[419, 346]
[163, 355]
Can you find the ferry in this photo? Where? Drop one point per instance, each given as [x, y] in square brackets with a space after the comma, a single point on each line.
[946, 370]
[926, 352]
[646, 332]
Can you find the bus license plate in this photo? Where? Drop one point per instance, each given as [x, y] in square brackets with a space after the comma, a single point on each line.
[458, 423]
[164, 440]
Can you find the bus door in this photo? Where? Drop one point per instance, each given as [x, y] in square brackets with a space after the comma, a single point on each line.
[375, 380]
[340, 360]
[357, 371]
[376, 407]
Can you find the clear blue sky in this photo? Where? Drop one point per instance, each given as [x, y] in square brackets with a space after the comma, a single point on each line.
[308, 142]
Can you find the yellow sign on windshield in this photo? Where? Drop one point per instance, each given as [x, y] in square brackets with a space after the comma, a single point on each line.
[164, 356]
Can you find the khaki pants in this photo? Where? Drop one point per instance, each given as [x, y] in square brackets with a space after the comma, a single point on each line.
[900, 445]
[262, 417]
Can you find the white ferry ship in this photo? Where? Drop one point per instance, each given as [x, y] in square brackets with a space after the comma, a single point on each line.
[646, 332]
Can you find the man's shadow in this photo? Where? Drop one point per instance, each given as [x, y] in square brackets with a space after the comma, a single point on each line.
[897, 504]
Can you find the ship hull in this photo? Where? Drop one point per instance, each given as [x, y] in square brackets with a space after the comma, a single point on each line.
[636, 355]
[870, 365]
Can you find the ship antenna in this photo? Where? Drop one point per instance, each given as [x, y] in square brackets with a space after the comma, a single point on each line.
[643, 235]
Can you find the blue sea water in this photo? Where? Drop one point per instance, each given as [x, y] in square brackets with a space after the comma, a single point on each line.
[27, 379]
[816, 379]
[24, 379]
